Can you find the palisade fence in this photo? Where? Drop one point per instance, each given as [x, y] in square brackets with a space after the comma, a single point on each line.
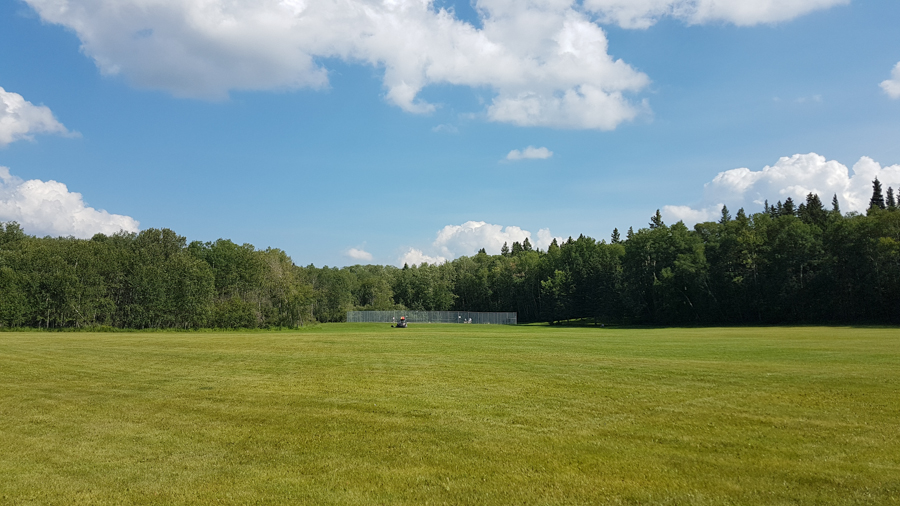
[432, 317]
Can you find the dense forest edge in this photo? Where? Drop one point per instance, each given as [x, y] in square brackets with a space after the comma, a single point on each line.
[785, 265]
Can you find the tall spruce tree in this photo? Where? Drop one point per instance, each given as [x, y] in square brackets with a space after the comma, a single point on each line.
[835, 205]
[656, 220]
[526, 245]
[788, 209]
[877, 199]
[616, 238]
[504, 251]
[891, 202]
[726, 216]
[813, 212]
[813, 202]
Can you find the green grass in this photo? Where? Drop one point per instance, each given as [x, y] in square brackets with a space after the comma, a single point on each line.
[452, 414]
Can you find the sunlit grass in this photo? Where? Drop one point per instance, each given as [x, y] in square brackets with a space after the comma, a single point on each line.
[452, 414]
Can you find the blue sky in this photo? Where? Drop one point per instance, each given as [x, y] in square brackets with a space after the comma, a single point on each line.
[292, 125]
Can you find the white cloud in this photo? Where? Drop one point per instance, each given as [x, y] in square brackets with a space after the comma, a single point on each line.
[690, 216]
[462, 240]
[545, 238]
[644, 13]
[359, 254]
[466, 239]
[793, 177]
[20, 119]
[417, 257]
[529, 153]
[892, 85]
[545, 61]
[49, 208]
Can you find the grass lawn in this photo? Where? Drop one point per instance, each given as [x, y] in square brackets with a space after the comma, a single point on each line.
[452, 414]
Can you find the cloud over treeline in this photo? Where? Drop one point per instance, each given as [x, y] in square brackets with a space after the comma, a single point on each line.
[49, 208]
[462, 240]
[795, 177]
[359, 254]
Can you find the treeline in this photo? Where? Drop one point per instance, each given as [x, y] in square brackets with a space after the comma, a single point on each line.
[153, 279]
[787, 264]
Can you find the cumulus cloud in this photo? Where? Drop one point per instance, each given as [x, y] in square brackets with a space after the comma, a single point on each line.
[49, 208]
[20, 119]
[359, 254]
[644, 13]
[793, 177]
[545, 61]
[466, 239]
[892, 85]
[529, 153]
[462, 240]
[417, 257]
[691, 216]
[545, 238]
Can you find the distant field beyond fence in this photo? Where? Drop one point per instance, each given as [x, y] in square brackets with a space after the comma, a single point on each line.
[432, 317]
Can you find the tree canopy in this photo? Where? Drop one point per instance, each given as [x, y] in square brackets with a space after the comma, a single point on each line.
[787, 264]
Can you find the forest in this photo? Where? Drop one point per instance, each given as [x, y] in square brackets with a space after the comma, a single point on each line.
[787, 264]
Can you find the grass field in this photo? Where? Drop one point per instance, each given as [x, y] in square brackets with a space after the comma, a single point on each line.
[452, 414]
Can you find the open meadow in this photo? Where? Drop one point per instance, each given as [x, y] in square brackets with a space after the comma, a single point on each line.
[452, 414]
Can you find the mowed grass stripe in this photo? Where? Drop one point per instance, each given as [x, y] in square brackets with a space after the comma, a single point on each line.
[452, 414]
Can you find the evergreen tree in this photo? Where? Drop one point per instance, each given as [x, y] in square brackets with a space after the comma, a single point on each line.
[482, 252]
[517, 248]
[630, 233]
[504, 251]
[616, 239]
[813, 212]
[813, 202]
[891, 202]
[726, 216]
[788, 208]
[656, 220]
[877, 199]
[835, 206]
[526, 245]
